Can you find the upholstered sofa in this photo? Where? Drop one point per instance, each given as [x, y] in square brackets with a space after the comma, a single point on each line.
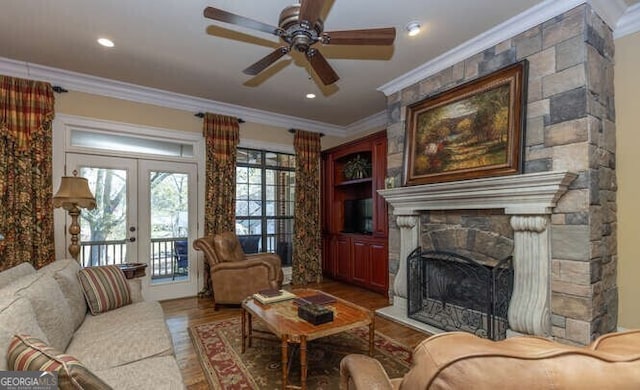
[235, 275]
[459, 360]
[128, 347]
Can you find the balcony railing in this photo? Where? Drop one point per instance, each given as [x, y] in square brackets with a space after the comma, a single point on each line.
[164, 256]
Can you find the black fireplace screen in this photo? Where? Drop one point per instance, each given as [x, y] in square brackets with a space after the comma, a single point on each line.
[454, 292]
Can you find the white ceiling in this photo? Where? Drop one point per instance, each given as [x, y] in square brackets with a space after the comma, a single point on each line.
[169, 45]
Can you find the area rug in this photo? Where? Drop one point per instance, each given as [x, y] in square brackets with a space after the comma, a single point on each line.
[218, 345]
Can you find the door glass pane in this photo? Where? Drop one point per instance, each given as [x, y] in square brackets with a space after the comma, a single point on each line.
[168, 211]
[103, 229]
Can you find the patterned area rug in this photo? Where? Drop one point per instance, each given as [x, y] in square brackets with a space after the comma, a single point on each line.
[218, 345]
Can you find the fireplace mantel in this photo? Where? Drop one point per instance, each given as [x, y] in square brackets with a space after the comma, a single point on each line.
[529, 198]
[532, 193]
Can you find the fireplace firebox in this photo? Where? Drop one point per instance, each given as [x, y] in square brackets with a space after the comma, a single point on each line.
[454, 292]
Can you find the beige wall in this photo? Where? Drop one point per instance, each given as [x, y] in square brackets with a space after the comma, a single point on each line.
[627, 88]
[100, 107]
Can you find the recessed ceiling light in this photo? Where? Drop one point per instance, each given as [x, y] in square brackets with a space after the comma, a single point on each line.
[413, 28]
[106, 42]
[310, 96]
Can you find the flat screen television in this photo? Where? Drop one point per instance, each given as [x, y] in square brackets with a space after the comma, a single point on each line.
[358, 216]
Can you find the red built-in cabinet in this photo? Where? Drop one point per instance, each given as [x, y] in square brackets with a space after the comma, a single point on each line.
[354, 216]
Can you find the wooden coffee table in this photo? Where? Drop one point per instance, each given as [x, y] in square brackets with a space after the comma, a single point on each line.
[281, 318]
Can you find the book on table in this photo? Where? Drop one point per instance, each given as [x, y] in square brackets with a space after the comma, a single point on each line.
[270, 292]
[283, 296]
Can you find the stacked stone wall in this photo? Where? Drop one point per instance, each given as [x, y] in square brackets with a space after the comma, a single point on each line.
[570, 126]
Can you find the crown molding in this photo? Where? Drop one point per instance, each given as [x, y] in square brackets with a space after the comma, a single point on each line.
[629, 23]
[609, 10]
[80, 82]
[612, 10]
[377, 121]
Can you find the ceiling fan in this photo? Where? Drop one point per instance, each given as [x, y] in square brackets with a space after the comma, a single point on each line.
[300, 27]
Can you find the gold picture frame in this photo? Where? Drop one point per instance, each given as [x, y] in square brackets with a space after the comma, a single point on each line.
[471, 131]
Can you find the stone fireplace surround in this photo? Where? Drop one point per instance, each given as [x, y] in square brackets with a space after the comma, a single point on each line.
[528, 198]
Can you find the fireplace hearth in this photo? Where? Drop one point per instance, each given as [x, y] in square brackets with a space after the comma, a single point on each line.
[454, 292]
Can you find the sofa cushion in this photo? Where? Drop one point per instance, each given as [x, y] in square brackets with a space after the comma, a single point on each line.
[154, 373]
[105, 288]
[16, 316]
[27, 353]
[9, 276]
[49, 304]
[65, 272]
[125, 335]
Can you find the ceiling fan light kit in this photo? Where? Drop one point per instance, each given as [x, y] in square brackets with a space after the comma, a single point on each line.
[301, 27]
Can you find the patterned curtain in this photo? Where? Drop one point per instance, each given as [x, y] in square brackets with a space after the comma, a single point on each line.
[26, 189]
[306, 242]
[222, 134]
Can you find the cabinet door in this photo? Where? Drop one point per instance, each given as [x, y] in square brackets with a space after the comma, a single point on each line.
[361, 272]
[379, 267]
[343, 258]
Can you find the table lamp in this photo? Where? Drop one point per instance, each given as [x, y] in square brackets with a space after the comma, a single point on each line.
[73, 194]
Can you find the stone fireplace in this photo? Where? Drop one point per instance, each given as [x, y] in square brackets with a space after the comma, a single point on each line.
[528, 199]
[562, 209]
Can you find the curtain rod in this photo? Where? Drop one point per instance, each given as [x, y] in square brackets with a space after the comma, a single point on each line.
[201, 115]
[58, 89]
[293, 131]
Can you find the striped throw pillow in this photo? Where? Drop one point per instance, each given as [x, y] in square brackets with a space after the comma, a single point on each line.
[105, 288]
[28, 353]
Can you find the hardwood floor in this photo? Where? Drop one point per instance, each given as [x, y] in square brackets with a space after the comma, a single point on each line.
[180, 314]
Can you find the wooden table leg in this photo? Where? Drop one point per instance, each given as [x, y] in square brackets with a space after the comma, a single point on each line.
[250, 329]
[285, 359]
[371, 336]
[243, 324]
[303, 362]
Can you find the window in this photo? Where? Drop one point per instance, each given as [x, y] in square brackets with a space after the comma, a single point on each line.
[265, 194]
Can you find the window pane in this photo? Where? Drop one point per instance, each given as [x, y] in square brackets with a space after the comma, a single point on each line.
[255, 192]
[255, 209]
[270, 193]
[242, 208]
[127, 143]
[255, 227]
[271, 211]
[242, 227]
[242, 175]
[242, 191]
[255, 175]
[265, 188]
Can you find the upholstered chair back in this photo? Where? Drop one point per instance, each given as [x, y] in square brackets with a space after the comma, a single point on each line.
[227, 247]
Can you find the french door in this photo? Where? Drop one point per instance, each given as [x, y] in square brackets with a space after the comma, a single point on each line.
[146, 213]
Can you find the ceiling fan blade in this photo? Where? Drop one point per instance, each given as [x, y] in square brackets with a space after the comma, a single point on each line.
[373, 36]
[310, 10]
[322, 67]
[228, 17]
[267, 60]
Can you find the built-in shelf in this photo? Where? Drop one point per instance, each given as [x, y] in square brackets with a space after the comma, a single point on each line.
[354, 181]
[351, 205]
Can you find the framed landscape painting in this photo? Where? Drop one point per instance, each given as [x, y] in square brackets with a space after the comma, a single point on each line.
[474, 130]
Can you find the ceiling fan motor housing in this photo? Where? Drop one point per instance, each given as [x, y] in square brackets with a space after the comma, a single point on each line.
[299, 34]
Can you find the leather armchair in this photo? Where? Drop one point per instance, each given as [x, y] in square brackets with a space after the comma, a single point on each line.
[235, 275]
[458, 360]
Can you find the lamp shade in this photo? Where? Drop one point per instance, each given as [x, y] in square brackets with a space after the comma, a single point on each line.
[74, 191]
